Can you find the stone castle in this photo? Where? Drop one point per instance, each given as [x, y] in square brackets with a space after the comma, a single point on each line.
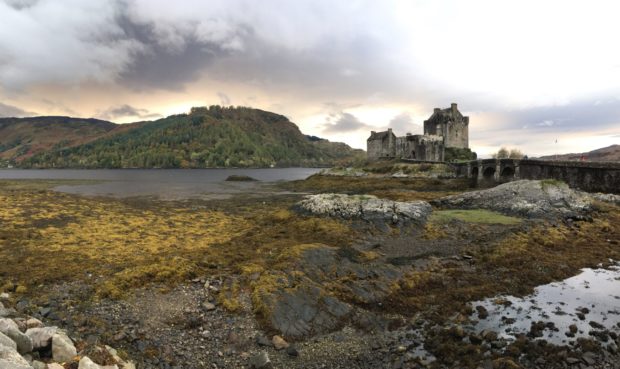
[446, 128]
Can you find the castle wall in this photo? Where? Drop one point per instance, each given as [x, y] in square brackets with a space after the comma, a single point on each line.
[445, 128]
[420, 147]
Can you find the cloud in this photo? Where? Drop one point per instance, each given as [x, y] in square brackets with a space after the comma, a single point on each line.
[157, 44]
[13, 111]
[343, 122]
[125, 111]
[403, 123]
[63, 42]
[545, 123]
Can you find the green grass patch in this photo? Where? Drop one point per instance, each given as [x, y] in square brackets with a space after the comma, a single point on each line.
[473, 216]
[546, 183]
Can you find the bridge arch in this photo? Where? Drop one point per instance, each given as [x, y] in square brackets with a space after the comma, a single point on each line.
[488, 172]
[507, 173]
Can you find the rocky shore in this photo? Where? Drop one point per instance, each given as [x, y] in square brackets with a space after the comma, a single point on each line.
[403, 278]
[26, 343]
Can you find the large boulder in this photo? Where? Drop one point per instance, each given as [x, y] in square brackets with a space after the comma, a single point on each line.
[534, 199]
[7, 341]
[11, 359]
[41, 337]
[62, 348]
[365, 207]
[87, 363]
[9, 328]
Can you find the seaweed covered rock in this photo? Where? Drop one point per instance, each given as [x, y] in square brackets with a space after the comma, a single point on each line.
[240, 178]
[318, 291]
[534, 199]
[365, 207]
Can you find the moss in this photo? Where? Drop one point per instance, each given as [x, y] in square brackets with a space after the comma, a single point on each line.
[370, 185]
[262, 291]
[176, 269]
[128, 244]
[229, 296]
[548, 183]
[473, 216]
[433, 232]
[21, 289]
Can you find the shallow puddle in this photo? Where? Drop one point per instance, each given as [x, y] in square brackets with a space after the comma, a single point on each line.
[590, 301]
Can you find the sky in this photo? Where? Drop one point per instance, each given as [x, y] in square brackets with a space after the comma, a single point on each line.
[542, 76]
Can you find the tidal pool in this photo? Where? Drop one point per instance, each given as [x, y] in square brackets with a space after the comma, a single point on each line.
[589, 301]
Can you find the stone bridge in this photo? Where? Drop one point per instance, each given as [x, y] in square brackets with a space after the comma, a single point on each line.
[586, 176]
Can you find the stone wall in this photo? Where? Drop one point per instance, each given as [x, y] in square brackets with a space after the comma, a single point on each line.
[420, 147]
[457, 134]
[381, 145]
[586, 176]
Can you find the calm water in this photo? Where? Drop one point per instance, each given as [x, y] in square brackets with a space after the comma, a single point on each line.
[167, 184]
[597, 290]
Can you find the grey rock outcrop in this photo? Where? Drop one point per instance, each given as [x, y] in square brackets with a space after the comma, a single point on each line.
[535, 199]
[302, 305]
[365, 207]
[606, 197]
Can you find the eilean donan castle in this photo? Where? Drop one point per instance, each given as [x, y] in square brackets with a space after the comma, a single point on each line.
[446, 128]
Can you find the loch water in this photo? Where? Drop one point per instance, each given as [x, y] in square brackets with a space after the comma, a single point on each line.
[166, 184]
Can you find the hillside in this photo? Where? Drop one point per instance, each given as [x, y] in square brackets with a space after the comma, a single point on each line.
[204, 138]
[610, 153]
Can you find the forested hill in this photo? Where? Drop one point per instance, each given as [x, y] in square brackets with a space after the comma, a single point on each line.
[205, 138]
[23, 137]
[609, 153]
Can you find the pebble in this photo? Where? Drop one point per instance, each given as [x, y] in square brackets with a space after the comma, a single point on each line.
[260, 361]
[263, 341]
[279, 343]
[292, 351]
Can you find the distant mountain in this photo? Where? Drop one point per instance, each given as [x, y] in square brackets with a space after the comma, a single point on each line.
[205, 138]
[610, 153]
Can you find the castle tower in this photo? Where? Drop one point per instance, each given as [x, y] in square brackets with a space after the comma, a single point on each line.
[451, 125]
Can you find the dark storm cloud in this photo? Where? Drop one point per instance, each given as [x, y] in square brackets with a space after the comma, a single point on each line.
[127, 111]
[13, 111]
[314, 47]
[343, 123]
